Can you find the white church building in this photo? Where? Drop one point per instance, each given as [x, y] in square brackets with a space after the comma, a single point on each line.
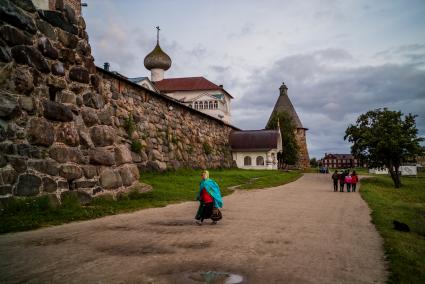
[196, 92]
[256, 149]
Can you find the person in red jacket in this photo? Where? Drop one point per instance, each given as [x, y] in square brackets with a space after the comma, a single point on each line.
[210, 200]
[354, 181]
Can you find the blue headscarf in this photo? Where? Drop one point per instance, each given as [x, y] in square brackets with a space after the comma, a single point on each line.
[213, 189]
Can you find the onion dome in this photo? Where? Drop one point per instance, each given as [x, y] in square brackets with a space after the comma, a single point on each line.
[157, 59]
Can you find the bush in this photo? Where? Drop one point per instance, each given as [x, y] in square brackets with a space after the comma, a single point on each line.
[207, 149]
[136, 146]
[129, 125]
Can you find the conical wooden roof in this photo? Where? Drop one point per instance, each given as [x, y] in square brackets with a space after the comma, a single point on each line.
[283, 103]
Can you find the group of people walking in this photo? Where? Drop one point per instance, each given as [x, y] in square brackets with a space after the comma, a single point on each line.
[345, 179]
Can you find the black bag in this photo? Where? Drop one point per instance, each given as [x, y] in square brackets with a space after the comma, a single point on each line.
[216, 214]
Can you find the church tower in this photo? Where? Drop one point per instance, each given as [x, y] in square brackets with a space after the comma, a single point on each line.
[283, 103]
[157, 61]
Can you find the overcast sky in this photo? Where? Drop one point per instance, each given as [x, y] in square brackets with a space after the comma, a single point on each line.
[338, 58]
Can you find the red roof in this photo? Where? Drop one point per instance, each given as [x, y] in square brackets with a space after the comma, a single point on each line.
[187, 84]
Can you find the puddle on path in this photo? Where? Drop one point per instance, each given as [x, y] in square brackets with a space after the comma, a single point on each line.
[215, 277]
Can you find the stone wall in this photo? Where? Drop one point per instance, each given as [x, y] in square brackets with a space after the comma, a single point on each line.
[171, 134]
[65, 125]
[303, 157]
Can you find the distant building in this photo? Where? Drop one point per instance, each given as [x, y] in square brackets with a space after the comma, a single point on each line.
[420, 159]
[256, 149]
[340, 161]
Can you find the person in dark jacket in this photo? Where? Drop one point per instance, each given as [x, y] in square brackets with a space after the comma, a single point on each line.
[335, 178]
[342, 181]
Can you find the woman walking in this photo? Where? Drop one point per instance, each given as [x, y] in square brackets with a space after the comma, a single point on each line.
[354, 181]
[348, 181]
[209, 197]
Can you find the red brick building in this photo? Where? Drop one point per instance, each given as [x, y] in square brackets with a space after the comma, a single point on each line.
[340, 161]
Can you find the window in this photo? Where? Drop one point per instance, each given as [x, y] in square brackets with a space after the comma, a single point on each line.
[201, 106]
[205, 105]
[210, 105]
[196, 105]
[260, 161]
[247, 161]
[215, 105]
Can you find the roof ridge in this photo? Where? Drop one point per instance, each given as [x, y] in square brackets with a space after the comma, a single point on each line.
[192, 77]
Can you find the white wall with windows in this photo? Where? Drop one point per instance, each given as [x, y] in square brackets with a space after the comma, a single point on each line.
[212, 102]
[265, 160]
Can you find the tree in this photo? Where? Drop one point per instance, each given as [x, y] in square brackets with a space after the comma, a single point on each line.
[382, 138]
[314, 163]
[289, 155]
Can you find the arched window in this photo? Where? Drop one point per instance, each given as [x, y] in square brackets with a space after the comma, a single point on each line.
[205, 105]
[196, 105]
[201, 105]
[260, 161]
[247, 161]
[215, 105]
[210, 105]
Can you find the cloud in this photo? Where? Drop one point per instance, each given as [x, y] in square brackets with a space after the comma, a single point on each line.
[413, 54]
[328, 96]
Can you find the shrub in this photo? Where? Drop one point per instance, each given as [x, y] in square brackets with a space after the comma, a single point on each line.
[136, 146]
[129, 125]
[207, 149]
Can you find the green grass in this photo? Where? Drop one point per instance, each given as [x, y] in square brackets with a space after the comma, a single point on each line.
[168, 187]
[359, 171]
[405, 251]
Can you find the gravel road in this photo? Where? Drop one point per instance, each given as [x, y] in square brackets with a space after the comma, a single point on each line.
[301, 232]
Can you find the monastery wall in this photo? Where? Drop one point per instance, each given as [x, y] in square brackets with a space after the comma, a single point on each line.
[303, 157]
[66, 126]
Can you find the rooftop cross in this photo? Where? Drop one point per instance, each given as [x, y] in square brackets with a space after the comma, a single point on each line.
[157, 34]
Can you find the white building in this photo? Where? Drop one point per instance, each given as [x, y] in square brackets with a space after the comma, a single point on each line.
[196, 92]
[256, 149]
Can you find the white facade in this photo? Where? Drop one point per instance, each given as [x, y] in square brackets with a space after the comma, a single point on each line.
[215, 103]
[404, 170]
[260, 160]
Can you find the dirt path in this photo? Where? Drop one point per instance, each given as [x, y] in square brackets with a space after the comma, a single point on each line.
[302, 232]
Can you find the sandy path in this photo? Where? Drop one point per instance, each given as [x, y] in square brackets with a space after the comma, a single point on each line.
[302, 232]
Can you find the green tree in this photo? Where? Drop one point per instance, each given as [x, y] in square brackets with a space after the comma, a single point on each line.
[314, 163]
[382, 138]
[289, 155]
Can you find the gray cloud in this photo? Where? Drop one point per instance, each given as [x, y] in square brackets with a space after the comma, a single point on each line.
[413, 54]
[329, 98]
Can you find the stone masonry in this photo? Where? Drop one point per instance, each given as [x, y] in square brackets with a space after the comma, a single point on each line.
[66, 125]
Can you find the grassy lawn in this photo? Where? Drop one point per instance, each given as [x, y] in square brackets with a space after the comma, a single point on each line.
[169, 187]
[405, 250]
[359, 171]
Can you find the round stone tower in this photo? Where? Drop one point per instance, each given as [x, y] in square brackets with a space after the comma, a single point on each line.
[283, 103]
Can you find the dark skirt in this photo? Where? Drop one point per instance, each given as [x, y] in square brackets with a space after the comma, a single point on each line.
[204, 211]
